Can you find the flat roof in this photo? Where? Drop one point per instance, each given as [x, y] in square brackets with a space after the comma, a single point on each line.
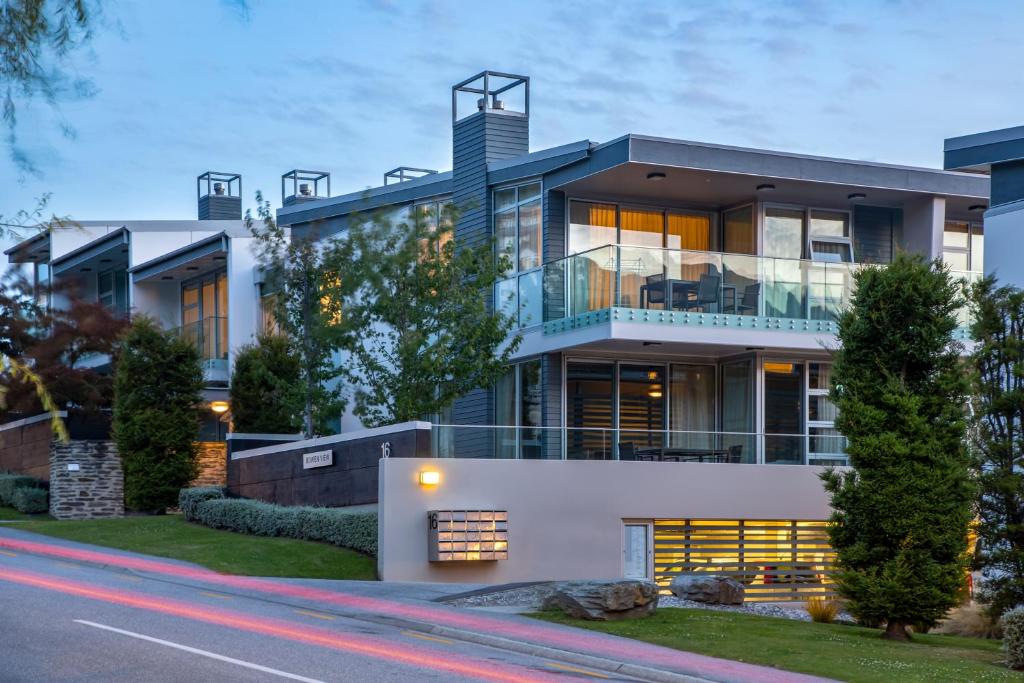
[978, 151]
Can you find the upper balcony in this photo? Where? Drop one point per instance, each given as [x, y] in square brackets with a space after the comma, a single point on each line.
[712, 293]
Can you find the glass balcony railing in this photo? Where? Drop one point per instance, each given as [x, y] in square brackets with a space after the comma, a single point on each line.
[572, 443]
[209, 336]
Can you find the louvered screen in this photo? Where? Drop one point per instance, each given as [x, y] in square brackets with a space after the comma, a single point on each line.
[775, 560]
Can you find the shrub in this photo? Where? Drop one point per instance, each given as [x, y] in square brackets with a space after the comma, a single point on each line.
[354, 530]
[31, 501]
[156, 414]
[189, 498]
[1013, 637]
[823, 610]
[10, 483]
[970, 621]
[266, 387]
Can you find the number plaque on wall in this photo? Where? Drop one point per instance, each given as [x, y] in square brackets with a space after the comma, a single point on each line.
[467, 535]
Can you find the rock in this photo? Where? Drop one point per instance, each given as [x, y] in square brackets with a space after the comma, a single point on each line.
[712, 589]
[604, 600]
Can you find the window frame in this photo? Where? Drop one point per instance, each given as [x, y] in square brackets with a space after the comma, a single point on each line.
[515, 274]
[973, 228]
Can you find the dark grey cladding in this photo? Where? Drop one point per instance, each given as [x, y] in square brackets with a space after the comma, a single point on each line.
[220, 208]
[875, 231]
[477, 140]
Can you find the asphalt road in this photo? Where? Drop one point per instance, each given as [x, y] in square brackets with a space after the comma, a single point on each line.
[70, 612]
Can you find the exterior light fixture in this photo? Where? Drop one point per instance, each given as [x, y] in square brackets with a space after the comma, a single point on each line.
[430, 478]
[219, 406]
[976, 207]
[191, 267]
[656, 175]
[167, 277]
[765, 187]
[856, 196]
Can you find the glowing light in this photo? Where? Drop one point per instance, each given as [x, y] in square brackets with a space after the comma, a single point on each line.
[219, 406]
[430, 478]
[784, 368]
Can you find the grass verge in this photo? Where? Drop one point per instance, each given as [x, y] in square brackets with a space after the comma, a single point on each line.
[223, 551]
[846, 653]
[8, 514]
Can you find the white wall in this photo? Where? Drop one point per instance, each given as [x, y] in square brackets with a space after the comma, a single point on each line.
[1004, 233]
[923, 224]
[66, 240]
[565, 516]
[243, 296]
[159, 300]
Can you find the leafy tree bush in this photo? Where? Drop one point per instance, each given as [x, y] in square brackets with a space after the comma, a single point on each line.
[1013, 637]
[266, 387]
[10, 484]
[31, 501]
[157, 400]
[998, 358]
[901, 515]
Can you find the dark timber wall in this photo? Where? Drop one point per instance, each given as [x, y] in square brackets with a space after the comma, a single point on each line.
[477, 139]
[25, 447]
[875, 230]
[278, 477]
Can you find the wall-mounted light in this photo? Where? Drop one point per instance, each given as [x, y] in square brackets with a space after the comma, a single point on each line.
[656, 175]
[856, 196]
[219, 406]
[430, 478]
[976, 207]
[765, 187]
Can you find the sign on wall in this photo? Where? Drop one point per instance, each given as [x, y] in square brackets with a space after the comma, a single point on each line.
[317, 459]
[467, 535]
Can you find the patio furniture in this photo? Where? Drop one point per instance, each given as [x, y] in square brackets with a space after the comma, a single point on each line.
[705, 294]
[627, 450]
[657, 289]
[749, 302]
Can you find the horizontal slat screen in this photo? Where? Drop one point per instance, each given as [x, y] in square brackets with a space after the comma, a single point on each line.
[775, 560]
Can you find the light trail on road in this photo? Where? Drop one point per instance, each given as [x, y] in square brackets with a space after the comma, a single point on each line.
[538, 633]
[370, 646]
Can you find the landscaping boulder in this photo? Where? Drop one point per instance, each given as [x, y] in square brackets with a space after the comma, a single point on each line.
[712, 589]
[604, 600]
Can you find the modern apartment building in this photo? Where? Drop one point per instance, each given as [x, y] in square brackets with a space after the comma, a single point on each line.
[677, 302]
[198, 277]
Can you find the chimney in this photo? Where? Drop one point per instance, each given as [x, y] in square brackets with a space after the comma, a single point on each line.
[490, 122]
[219, 196]
[304, 186]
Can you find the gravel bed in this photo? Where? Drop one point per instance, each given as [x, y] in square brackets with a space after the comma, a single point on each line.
[532, 597]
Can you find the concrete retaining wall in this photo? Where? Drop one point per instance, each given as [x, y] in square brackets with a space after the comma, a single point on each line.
[275, 473]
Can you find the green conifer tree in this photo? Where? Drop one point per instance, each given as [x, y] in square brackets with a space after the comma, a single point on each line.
[901, 515]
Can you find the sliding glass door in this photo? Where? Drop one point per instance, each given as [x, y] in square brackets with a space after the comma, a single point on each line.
[784, 412]
[692, 406]
[642, 406]
[589, 410]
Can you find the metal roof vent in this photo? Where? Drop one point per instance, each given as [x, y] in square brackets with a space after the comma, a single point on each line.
[305, 186]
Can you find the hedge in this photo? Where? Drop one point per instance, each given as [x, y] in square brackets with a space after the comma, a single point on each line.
[1013, 637]
[10, 484]
[209, 507]
[31, 501]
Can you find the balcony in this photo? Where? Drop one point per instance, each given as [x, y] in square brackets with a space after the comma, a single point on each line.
[210, 338]
[680, 287]
[820, 446]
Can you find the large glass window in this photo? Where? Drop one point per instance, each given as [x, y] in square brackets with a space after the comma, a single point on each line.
[112, 291]
[518, 230]
[204, 314]
[642, 405]
[692, 406]
[783, 412]
[963, 245]
[589, 410]
[738, 234]
[518, 405]
[594, 225]
[829, 236]
[825, 445]
[737, 381]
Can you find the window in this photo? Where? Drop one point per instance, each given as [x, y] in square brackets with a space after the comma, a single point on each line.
[783, 412]
[518, 403]
[829, 236]
[825, 445]
[963, 246]
[738, 231]
[41, 284]
[112, 291]
[593, 225]
[518, 230]
[269, 323]
[204, 311]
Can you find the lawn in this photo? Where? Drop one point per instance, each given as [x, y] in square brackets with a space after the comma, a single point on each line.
[223, 551]
[847, 653]
[8, 514]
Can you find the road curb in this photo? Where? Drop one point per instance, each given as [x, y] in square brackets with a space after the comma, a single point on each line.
[567, 656]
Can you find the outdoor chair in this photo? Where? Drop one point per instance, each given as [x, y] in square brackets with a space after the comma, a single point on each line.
[749, 302]
[706, 294]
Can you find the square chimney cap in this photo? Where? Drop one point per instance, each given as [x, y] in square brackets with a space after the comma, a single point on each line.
[305, 184]
[487, 86]
[403, 173]
[216, 183]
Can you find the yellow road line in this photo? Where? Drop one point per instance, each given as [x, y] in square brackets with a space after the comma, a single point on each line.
[573, 669]
[315, 615]
[4, 552]
[423, 636]
[214, 595]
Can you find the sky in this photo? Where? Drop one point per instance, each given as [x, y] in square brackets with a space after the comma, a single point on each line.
[357, 88]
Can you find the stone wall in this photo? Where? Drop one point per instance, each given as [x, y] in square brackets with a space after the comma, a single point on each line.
[213, 464]
[86, 481]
